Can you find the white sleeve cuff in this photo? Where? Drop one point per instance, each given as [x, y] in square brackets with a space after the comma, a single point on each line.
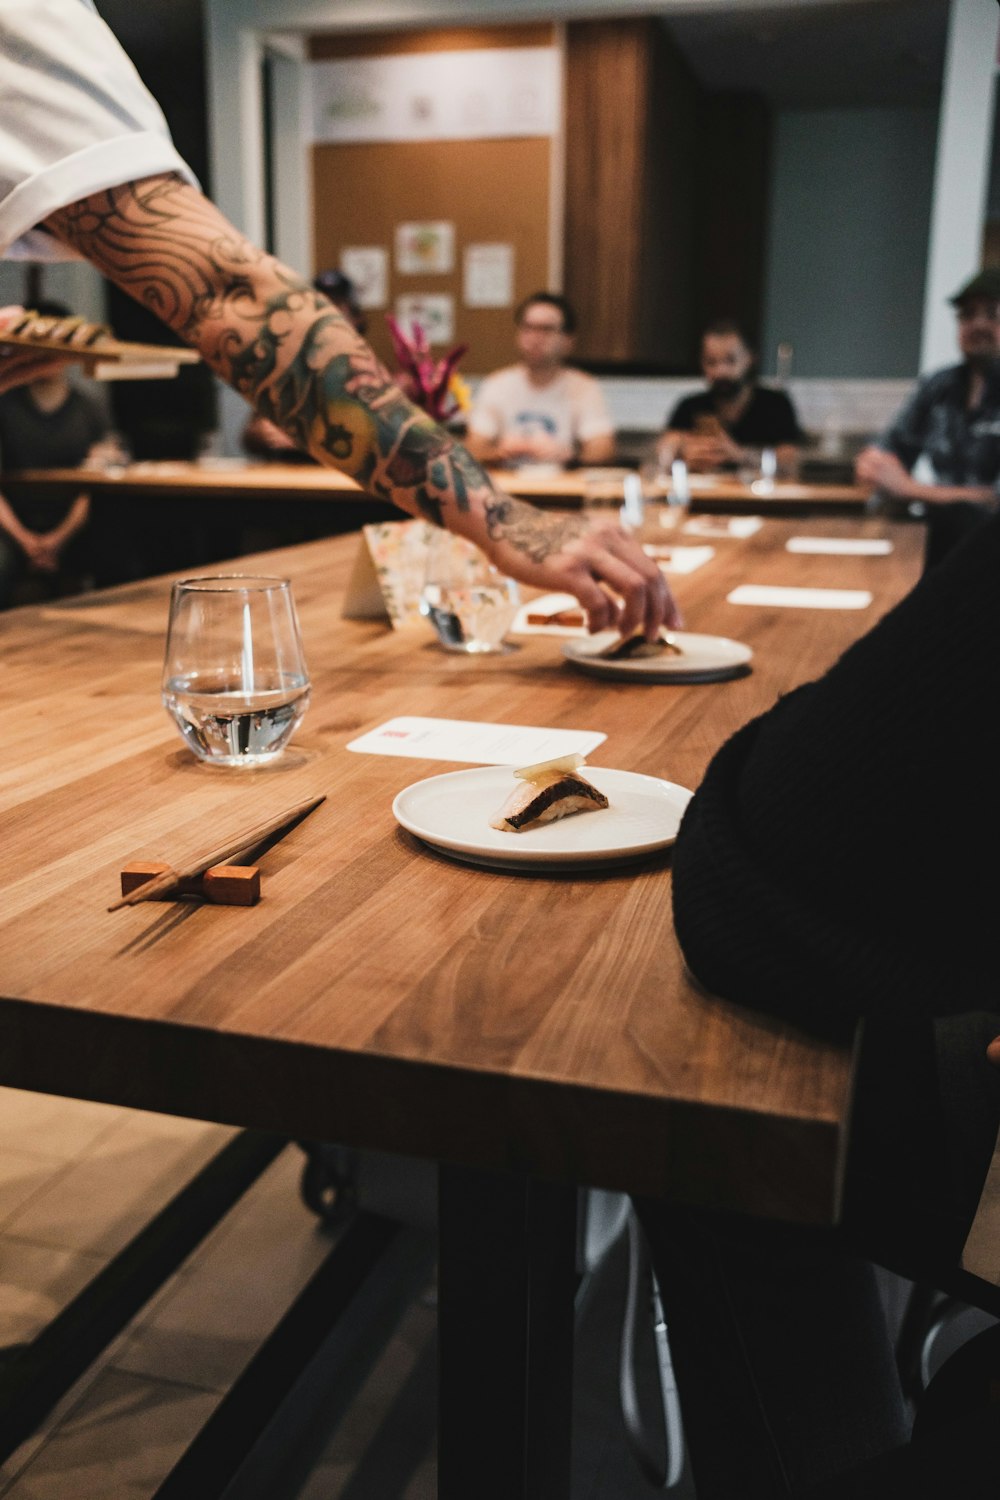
[105, 164]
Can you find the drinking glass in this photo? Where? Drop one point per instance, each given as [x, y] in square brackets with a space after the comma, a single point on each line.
[667, 496]
[234, 675]
[469, 603]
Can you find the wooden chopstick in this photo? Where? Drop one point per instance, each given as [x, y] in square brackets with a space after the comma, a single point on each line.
[159, 884]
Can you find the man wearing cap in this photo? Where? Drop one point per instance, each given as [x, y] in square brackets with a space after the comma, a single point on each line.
[953, 418]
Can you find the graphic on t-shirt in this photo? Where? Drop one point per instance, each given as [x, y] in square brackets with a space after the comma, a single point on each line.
[535, 424]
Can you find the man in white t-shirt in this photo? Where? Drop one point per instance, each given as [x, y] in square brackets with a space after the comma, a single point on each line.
[87, 166]
[538, 411]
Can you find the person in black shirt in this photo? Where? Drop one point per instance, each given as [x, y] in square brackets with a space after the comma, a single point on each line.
[46, 423]
[728, 425]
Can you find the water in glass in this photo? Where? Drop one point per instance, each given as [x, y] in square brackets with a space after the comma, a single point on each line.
[234, 677]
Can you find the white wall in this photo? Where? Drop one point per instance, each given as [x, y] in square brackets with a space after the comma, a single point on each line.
[848, 229]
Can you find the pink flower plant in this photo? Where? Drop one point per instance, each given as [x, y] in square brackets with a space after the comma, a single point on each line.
[430, 383]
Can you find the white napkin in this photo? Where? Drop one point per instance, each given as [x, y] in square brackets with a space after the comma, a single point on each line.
[840, 546]
[738, 526]
[677, 559]
[474, 742]
[760, 593]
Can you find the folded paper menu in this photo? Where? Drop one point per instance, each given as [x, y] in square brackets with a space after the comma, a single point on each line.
[388, 574]
[791, 598]
[840, 546]
[473, 742]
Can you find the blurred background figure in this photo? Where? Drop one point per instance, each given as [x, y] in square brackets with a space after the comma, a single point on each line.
[539, 411]
[48, 423]
[952, 421]
[261, 438]
[728, 425]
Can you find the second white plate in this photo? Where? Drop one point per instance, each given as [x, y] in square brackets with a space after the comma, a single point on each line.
[453, 812]
[704, 658]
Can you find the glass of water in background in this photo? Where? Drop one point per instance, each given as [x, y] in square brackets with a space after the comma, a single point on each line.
[469, 603]
[234, 674]
[667, 498]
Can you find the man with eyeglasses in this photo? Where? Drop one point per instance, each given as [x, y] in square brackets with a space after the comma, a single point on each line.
[953, 420]
[539, 411]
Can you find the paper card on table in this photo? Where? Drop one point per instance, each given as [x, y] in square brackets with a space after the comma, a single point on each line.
[388, 574]
[840, 546]
[678, 559]
[551, 614]
[473, 742]
[735, 526]
[759, 593]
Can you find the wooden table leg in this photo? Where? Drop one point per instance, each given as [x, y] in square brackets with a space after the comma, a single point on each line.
[506, 1283]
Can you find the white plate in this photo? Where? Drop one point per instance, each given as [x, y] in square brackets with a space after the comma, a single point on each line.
[705, 658]
[453, 813]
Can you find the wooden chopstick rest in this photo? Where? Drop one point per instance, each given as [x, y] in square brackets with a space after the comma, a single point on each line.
[166, 881]
[226, 885]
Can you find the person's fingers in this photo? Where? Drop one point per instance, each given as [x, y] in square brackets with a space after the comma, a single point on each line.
[628, 580]
[993, 1051]
[18, 366]
[660, 606]
[601, 609]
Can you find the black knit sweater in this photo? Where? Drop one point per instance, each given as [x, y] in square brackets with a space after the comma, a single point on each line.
[839, 862]
[840, 857]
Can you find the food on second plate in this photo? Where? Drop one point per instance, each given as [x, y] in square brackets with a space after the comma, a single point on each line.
[565, 617]
[550, 790]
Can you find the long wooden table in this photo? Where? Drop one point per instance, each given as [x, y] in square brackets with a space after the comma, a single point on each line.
[521, 1030]
[234, 479]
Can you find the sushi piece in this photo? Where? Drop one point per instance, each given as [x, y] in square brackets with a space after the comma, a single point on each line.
[551, 790]
[632, 647]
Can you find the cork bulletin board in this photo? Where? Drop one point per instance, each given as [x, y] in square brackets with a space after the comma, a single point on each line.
[494, 191]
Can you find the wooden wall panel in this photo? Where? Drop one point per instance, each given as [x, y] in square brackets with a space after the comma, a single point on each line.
[491, 190]
[631, 140]
[731, 209]
[606, 105]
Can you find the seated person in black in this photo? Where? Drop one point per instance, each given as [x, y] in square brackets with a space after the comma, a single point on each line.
[829, 871]
[47, 423]
[728, 425]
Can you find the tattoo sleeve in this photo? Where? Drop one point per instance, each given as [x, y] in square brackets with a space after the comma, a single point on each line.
[272, 338]
[291, 355]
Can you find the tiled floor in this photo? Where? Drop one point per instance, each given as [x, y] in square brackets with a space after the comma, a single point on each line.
[77, 1180]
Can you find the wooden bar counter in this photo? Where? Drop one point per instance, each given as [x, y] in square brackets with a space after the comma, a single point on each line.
[232, 479]
[525, 1027]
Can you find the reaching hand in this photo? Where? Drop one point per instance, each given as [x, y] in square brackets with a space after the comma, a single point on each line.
[19, 366]
[598, 562]
[883, 470]
[993, 1051]
[705, 454]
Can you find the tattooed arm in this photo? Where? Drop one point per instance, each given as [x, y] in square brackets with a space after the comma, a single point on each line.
[301, 365]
